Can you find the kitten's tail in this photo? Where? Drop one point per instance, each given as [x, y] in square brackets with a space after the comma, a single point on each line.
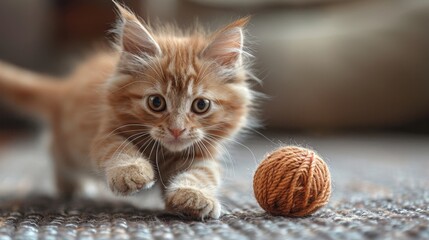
[28, 91]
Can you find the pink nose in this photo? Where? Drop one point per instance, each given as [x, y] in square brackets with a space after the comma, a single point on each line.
[176, 132]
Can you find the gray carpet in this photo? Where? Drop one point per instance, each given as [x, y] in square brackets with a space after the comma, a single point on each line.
[380, 191]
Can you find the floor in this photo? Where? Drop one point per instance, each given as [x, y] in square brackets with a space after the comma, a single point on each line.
[380, 191]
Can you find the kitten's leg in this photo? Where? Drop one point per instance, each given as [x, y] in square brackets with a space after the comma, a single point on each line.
[126, 170]
[193, 192]
[66, 183]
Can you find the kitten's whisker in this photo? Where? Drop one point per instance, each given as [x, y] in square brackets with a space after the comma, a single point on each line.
[187, 152]
[147, 145]
[151, 150]
[212, 126]
[157, 165]
[199, 148]
[271, 141]
[162, 152]
[125, 143]
[130, 131]
[193, 153]
[123, 126]
[224, 149]
[248, 129]
[142, 145]
[232, 140]
[128, 142]
[208, 152]
[190, 165]
[142, 152]
[109, 134]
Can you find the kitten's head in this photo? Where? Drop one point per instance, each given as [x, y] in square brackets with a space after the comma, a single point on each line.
[184, 88]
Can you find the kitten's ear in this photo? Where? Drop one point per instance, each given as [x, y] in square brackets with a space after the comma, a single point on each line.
[226, 46]
[134, 37]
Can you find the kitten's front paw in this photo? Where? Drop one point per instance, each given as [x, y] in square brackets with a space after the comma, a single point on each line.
[193, 203]
[131, 178]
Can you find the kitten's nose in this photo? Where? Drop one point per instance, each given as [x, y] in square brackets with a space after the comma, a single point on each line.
[176, 132]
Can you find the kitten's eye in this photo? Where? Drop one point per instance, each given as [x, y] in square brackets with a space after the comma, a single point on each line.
[156, 103]
[200, 105]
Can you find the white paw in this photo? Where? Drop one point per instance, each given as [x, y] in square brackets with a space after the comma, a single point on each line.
[193, 203]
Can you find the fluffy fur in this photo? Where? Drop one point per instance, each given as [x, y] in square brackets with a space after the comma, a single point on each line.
[103, 120]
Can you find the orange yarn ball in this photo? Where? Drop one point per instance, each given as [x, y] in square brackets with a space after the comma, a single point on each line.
[293, 182]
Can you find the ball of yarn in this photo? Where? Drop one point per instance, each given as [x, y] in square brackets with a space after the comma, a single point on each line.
[293, 182]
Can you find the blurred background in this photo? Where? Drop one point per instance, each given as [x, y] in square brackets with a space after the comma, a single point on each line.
[327, 66]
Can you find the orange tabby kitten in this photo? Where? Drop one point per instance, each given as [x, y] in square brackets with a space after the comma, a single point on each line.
[157, 108]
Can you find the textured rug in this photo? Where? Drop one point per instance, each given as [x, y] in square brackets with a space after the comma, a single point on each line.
[380, 191]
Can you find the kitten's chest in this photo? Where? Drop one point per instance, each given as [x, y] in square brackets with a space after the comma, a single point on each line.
[164, 161]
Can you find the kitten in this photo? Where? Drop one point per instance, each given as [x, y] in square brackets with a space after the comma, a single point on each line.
[158, 107]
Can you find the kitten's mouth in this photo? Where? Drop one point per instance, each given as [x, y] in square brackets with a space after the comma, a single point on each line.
[177, 145]
[176, 141]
